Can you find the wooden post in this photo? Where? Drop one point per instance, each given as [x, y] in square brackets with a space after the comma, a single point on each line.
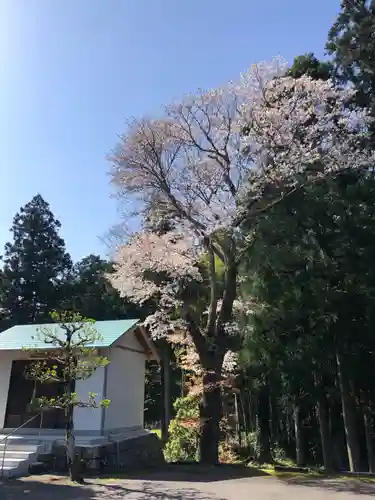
[166, 392]
[238, 427]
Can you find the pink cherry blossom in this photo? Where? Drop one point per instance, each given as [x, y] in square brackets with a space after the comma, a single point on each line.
[209, 162]
[148, 255]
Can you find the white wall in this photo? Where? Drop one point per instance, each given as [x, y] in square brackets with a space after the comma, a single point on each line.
[6, 358]
[89, 419]
[125, 385]
[84, 418]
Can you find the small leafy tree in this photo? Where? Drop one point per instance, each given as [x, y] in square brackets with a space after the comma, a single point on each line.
[184, 431]
[74, 358]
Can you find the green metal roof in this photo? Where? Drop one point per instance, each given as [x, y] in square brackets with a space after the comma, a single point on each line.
[27, 336]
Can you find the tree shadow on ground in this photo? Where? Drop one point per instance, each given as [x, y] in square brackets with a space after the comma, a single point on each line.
[359, 486]
[60, 489]
[193, 473]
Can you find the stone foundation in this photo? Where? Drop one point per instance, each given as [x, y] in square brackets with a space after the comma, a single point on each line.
[130, 454]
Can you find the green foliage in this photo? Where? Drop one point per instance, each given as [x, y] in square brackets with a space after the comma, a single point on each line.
[71, 359]
[87, 291]
[309, 65]
[312, 270]
[252, 444]
[38, 275]
[153, 394]
[184, 431]
[154, 386]
[312, 276]
[219, 266]
[35, 265]
[351, 43]
[157, 432]
[253, 449]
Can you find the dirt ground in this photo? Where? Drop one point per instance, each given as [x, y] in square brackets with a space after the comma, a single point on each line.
[181, 485]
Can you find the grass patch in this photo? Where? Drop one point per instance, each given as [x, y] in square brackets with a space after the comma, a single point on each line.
[287, 474]
[311, 473]
[157, 432]
[362, 479]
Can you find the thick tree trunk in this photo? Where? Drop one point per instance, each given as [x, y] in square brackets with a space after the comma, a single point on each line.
[368, 424]
[300, 455]
[210, 415]
[339, 454]
[263, 425]
[325, 437]
[348, 412]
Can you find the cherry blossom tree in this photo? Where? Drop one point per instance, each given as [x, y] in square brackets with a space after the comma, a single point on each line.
[194, 175]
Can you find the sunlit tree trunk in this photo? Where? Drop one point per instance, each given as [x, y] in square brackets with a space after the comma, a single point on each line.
[368, 424]
[348, 412]
[300, 455]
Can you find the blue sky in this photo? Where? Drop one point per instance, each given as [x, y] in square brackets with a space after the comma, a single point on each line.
[72, 71]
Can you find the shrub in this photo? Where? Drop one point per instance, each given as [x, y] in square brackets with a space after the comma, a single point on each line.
[182, 444]
[227, 453]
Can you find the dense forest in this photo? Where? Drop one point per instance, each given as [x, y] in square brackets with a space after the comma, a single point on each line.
[266, 319]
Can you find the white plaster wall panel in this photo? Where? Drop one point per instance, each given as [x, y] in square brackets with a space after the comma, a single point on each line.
[125, 389]
[89, 419]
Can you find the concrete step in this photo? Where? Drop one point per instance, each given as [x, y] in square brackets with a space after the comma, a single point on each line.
[20, 447]
[13, 473]
[21, 454]
[17, 460]
[15, 463]
[19, 444]
[30, 447]
[15, 470]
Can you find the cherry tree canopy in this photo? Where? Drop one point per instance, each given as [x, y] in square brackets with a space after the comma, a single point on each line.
[212, 160]
[198, 163]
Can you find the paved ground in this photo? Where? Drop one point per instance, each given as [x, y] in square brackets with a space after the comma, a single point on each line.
[177, 486]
